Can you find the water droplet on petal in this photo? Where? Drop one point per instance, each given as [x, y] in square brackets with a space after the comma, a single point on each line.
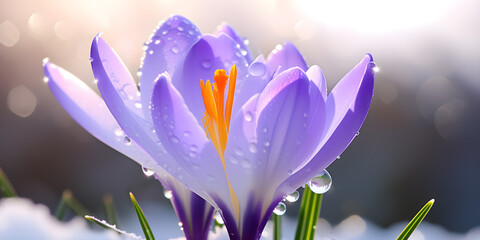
[148, 172]
[175, 49]
[293, 197]
[252, 147]
[45, 79]
[206, 64]
[238, 151]
[321, 183]
[280, 209]
[90, 59]
[356, 134]
[138, 105]
[127, 141]
[248, 116]
[338, 157]
[168, 194]
[150, 52]
[157, 42]
[180, 28]
[118, 132]
[257, 69]
[180, 224]
[174, 139]
[218, 217]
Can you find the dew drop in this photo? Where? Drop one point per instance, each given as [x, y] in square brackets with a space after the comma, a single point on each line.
[175, 50]
[137, 105]
[280, 209]
[265, 130]
[248, 116]
[356, 134]
[145, 48]
[191, 32]
[180, 224]
[257, 69]
[127, 141]
[206, 64]
[118, 132]
[218, 217]
[139, 72]
[157, 41]
[252, 147]
[168, 194]
[148, 172]
[174, 139]
[180, 28]
[293, 197]
[338, 157]
[192, 154]
[321, 183]
[90, 59]
[246, 42]
[45, 79]
[165, 32]
[45, 61]
[266, 144]
[193, 148]
[238, 151]
[150, 52]
[186, 133]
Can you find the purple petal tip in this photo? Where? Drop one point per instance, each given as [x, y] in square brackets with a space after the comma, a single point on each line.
[371, 57]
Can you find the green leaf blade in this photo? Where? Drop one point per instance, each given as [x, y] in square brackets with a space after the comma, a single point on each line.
[5, 186]
[309, 213]
[143, 221]
[413, 224]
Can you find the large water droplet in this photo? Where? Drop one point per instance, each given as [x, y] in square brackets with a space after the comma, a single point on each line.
[127, 141]
[148, 172]
[168, 194]
[218, 217]
[248, 116]
[257, 69]
[293, 197]
[321, 183]
[280, 209]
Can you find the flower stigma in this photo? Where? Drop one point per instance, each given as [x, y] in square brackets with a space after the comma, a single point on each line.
[217, 117]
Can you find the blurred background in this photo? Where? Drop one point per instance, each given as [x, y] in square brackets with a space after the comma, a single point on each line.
[421, 139]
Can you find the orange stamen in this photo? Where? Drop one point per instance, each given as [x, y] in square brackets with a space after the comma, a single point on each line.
[217, 117]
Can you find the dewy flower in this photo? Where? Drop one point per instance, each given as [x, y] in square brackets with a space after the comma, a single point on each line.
[241, 141]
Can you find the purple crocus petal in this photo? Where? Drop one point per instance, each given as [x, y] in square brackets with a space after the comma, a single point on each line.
[207, 55]
[135, 126]
[182, 136]
[193, 212]
[242, 42]
[90, 111]
[315, 75]
[346, 108]
[285, 57]
[264, 144]
[166, 47]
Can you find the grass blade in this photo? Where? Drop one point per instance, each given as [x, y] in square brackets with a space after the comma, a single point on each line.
[413, 224]
[5, 186]
[277, 227]
[68, 200]
[109, 206]
[104, 224]
[143, 221]
[309, 213]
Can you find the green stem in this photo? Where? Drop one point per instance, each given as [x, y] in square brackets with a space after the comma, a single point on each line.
[277, 227]
[309, 213]
[5, 186]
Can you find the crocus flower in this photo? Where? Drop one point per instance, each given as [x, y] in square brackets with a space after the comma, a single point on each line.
[241, 141]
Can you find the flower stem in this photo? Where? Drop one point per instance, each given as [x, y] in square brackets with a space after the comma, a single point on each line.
[277, 227]
[309, 212]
